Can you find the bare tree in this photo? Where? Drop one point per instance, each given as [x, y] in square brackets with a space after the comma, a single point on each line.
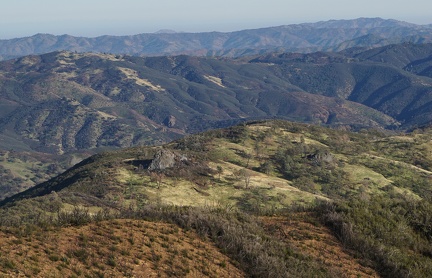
[219, 171]
[246, 176]
[248, 156]
[157, 178]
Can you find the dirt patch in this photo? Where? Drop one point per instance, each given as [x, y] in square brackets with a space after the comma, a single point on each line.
[131, 74]
[215, 80]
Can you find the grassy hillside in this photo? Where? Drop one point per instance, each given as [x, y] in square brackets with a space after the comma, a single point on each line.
[70, 103]
[323, 196]
[65, 102]
[273, 163]
[21, 170]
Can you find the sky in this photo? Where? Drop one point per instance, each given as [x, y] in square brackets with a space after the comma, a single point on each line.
[91, 18]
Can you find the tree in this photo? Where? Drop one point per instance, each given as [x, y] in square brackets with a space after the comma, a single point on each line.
[219, 170]
[238, 134]
[257, 148]
[157, 178]
[246, 176]
[248, 156]
[266, 167]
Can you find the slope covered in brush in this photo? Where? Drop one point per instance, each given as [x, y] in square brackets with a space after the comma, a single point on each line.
[370, 189]
[63, 102]
[279, 162]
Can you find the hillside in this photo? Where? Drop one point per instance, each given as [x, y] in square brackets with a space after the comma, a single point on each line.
[311, 185]
[308, 37]
[394, 79]
[278, 161]
[85, 101]
[118, 248]
[115, 248]
[79, 104]
[21, 170]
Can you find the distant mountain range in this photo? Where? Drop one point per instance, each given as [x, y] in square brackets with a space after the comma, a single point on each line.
[64, 101]
[309, 37]
[75, 104]
[64, 98]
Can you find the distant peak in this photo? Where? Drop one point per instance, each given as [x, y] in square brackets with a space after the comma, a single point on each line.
[362, 22]
[166, 31]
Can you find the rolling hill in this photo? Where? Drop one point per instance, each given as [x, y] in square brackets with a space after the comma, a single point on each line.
[100, 175]
[62, 101]
[77, 104]
[267, 194]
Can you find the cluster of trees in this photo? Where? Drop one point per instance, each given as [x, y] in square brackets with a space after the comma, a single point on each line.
[393, 235]
[390, 231]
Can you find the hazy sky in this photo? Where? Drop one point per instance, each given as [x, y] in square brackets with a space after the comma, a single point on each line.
[92, 18]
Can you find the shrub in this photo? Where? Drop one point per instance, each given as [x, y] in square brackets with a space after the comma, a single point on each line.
[241, 237]
[392, 234]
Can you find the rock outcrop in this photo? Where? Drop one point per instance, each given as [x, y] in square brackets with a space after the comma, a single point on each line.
[163, 159]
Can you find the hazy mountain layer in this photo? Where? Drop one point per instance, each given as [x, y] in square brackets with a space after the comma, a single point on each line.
[329, 35]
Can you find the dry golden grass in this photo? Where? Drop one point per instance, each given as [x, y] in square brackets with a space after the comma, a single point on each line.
[131, 74]
[224, 190]
[215, 80]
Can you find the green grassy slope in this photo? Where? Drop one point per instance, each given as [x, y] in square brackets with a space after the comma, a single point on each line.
[284, 162]
[371, 189]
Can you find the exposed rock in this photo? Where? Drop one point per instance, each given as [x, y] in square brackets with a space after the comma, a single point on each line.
[170, 121]
[321, 157]
[163, 159]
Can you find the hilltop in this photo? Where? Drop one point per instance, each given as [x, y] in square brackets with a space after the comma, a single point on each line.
[297, 177]
[280, 162]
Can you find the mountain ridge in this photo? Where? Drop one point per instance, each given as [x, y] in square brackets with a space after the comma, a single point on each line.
[82, 98]
[77, 104]
[345, 193]
[307, 37]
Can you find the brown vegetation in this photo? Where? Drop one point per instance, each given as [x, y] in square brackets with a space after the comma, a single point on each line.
[115, 248]
[369, 189]
[304, 232]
